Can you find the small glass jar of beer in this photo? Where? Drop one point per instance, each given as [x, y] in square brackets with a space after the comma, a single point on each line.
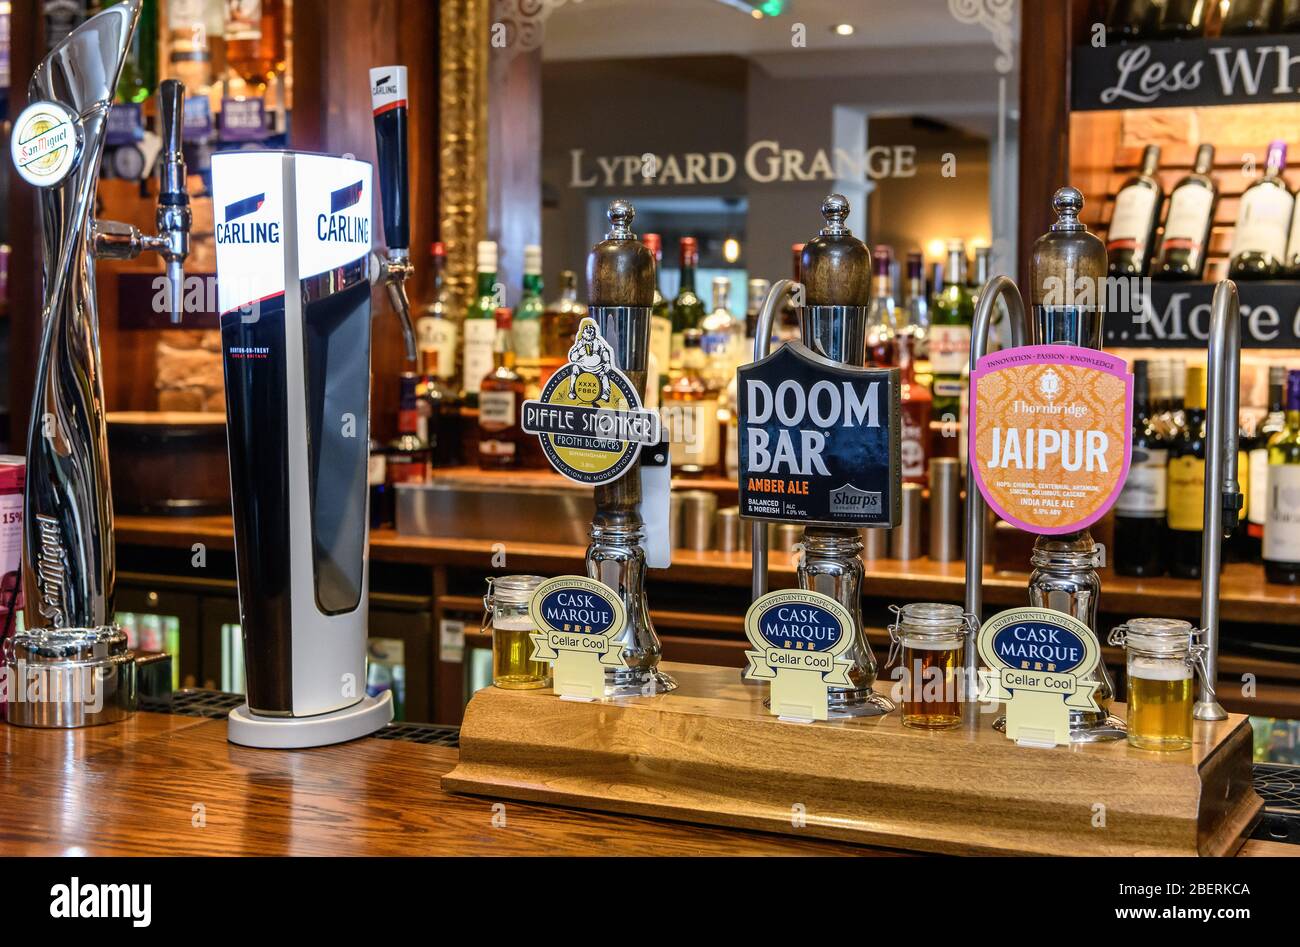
[1162, 654]
[931, 640]
[505, 607]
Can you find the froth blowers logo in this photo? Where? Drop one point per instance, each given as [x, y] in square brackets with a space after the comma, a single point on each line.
[235, 230]
[336, 227]
[45, 144]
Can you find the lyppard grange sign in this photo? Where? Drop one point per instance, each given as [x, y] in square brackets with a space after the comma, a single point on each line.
[819, 441]
[1221, 71]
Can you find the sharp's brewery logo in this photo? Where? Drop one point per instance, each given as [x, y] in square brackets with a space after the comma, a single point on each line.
[236, 230]
[337, 227]
[589, 419]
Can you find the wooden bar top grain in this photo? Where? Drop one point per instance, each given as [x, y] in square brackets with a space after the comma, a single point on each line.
[133, 789]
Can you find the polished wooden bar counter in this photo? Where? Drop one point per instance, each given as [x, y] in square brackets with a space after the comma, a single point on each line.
[136, 788]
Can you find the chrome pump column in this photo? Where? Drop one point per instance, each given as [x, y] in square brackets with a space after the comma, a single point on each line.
[1067, 274]
[72, 654]
[835, 268]
[1222, 495]
[621, 287]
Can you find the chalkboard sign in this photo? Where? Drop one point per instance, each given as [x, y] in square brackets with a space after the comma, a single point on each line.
[819, 441]
[1171, 315]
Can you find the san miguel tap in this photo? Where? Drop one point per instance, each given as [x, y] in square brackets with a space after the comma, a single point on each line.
[1068, 298]
[621, 287]
[294, 239]
[74, 667]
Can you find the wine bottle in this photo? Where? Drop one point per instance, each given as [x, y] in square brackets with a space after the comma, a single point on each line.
[661, 326]
[1186, 483]
[882, 323]
[1263, 219]
[688, 308]
[1132, 230]
[1250, 16]
[950, 326]
[1290, 22]
[1128, 20]
[1273, 424]
[480, 323]
[1181, 19]
[1187, 227]
[1141, 508]
[1282, 527]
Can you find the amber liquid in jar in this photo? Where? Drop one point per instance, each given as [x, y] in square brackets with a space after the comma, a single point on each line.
[512, 647]
[1159, 704]
[931, 700]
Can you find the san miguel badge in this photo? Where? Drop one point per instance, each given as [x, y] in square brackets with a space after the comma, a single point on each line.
[589, 418]
[577, 620]
[1049, 435]
[798, 638]
[819, 441]
[1037, 660]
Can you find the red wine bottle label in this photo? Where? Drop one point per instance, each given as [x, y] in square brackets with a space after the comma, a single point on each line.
[1262, 221]
[1145, 493]
[1130, 225]
[1282, 528]
[1189, 216]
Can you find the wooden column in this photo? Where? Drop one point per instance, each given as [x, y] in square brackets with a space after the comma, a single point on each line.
[27, 40]
[335, 46]
[1049, 29]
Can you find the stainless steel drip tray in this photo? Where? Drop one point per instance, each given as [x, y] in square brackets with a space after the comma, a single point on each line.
[459, 508]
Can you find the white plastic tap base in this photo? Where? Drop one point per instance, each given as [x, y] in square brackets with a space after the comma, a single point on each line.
[285, 733]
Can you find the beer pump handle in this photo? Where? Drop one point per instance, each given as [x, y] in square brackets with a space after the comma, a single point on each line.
[173, 216]
[388, 100]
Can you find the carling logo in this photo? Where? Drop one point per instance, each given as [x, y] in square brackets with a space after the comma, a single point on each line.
[235, 231]
[336, 227]
[73, 900]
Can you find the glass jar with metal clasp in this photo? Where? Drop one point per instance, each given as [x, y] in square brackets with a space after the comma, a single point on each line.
[505, 609]
[932, 639]
[1163, 656]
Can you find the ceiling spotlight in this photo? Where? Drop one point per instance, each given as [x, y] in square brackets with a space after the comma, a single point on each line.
[843, 29]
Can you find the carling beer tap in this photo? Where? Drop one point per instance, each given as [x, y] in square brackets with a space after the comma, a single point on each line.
[72, 653]
[293, 276]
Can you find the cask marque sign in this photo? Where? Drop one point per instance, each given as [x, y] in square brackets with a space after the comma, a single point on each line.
[819, 441]
[1163, 74]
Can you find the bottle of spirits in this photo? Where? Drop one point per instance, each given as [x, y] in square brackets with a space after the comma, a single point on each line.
[1290, 16]
[1272, 425]
[526, 325]
[1187, 227]
[500, 403]
[689, 408]
[661, 328]
[1247, 17]
[688, 308]
[758, 290]
[723, 337]
[882, 322]
[254, 35]
[916, 314]
[1282, 528]
[1263, 219]
[140, 69]
[1141, 508]
[916, 400]
[480, 325]
[950, 325]
[983, 273]
[1186, 483]
[440, 408]
[1181, 19]
[560, 324]
[787, 323]
[1133, 224]
[1176, 414]
[435, 329]
[1128, 20]
[190, 38]
[408, 454]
